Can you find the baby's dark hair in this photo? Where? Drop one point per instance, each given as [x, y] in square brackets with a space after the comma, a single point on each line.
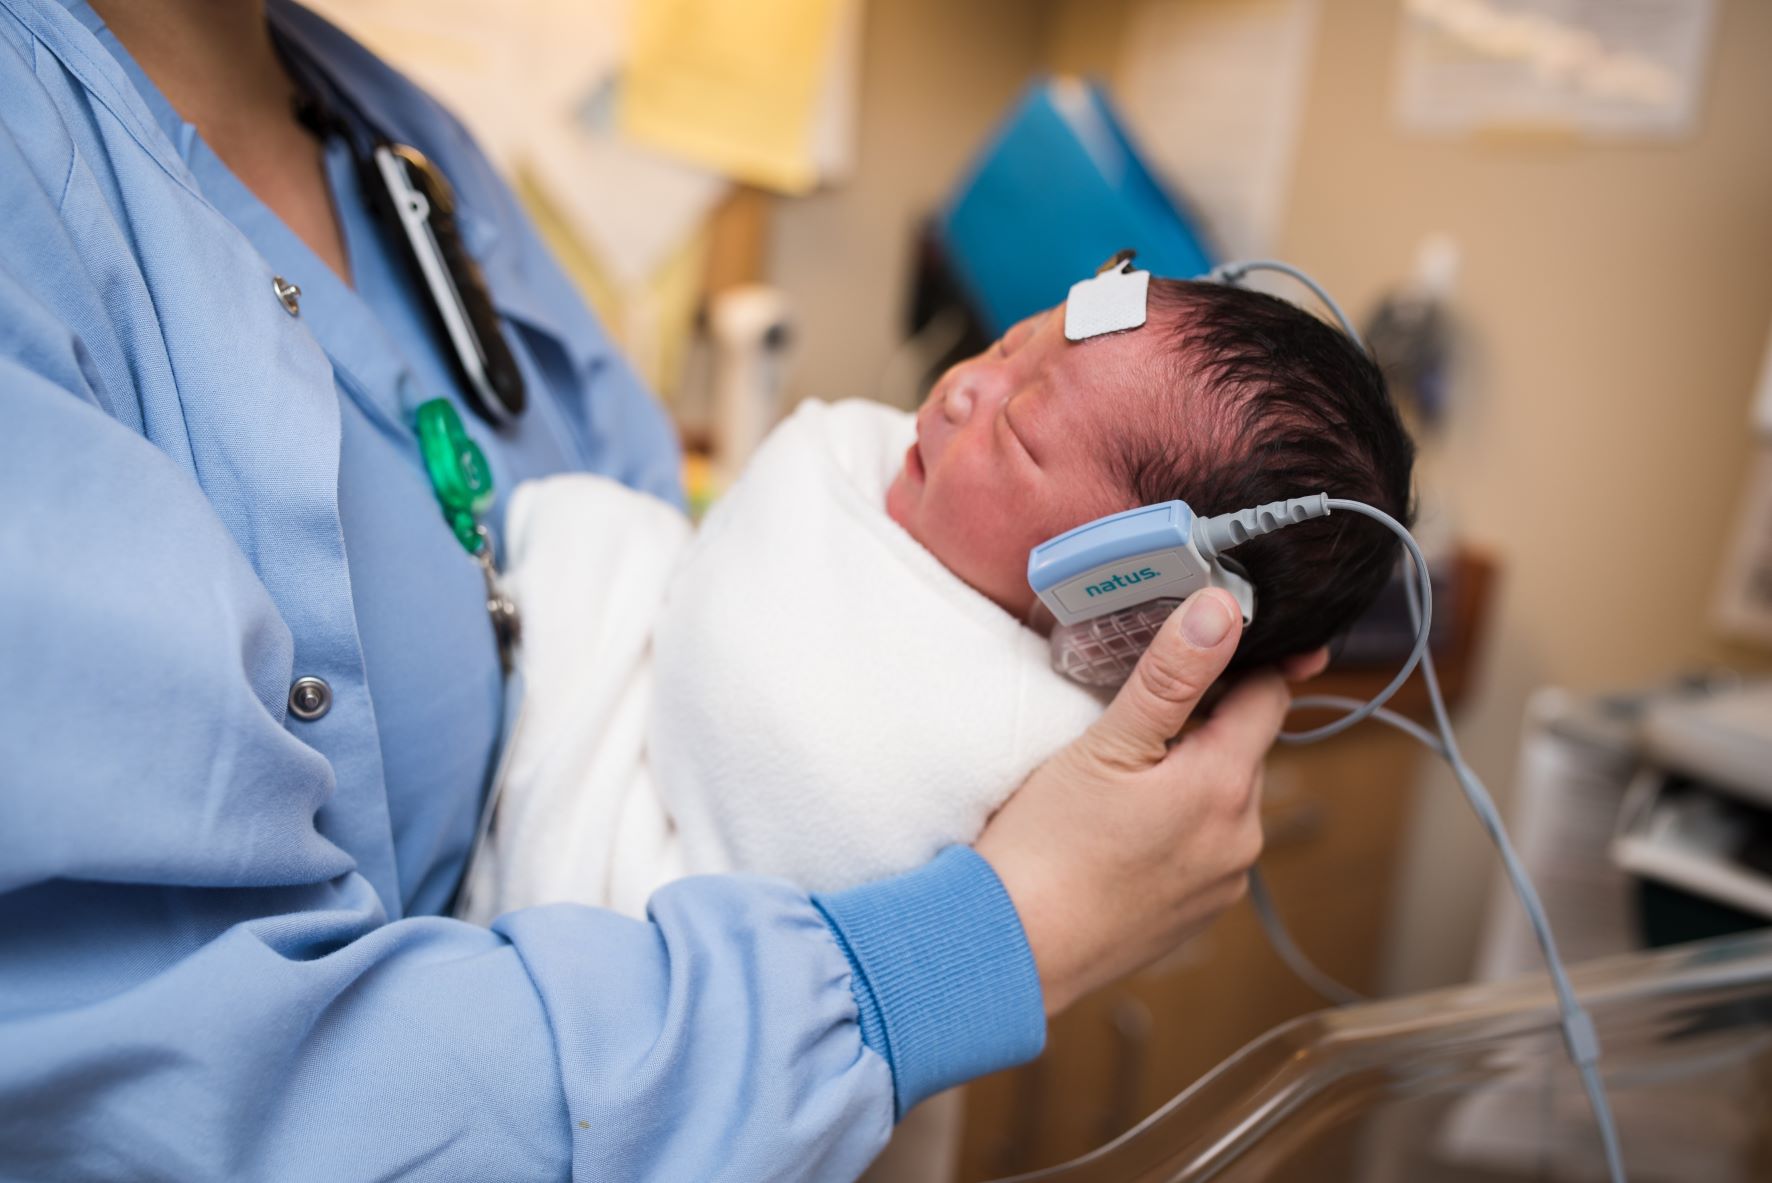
[1266, 402]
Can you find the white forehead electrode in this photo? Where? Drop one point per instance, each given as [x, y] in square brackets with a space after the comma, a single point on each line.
[1112, 302]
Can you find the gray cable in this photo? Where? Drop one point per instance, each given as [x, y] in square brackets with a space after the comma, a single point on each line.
[1421, 611]
[1228, 530]
[1280, 937]
[1233, 273]
[1579, 1035]
[1216, 534]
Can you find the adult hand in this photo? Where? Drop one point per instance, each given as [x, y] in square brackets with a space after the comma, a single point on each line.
[1128, 842]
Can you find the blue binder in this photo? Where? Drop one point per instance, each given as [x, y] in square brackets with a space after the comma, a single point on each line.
[1057, 190]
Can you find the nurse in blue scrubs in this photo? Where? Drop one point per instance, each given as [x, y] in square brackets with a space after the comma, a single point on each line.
[254, 698]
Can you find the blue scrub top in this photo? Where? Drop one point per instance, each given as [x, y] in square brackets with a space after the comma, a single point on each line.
[430, 664]
[429, 660]
[219, 932]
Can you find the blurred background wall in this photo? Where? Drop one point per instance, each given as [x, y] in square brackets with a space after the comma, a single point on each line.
[1618, 327]
[935, 77]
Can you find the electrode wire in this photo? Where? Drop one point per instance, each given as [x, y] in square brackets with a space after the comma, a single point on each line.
[1578, 1028]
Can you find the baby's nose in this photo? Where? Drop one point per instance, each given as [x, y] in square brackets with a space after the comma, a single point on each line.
[957, 404]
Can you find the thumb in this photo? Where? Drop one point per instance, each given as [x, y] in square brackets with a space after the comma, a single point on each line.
[1189, 652]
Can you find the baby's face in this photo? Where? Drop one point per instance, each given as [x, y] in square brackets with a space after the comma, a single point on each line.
[1014, 446]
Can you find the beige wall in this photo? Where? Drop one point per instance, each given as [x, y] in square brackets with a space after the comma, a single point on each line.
[935, 76]
[1617, 298]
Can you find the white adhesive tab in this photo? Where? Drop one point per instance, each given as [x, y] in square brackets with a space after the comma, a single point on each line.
[1110, 303]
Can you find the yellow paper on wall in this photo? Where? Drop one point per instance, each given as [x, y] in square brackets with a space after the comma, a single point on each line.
[653, 321]
[731, 84]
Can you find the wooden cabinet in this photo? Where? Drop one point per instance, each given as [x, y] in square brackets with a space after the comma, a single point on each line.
[1334, 815]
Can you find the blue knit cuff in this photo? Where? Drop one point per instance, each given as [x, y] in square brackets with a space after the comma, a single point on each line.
[945, 985]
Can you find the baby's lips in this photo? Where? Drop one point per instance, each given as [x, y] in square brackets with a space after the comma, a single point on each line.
[913, 461]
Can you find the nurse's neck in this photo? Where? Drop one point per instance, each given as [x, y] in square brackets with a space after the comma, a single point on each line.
[214, 62]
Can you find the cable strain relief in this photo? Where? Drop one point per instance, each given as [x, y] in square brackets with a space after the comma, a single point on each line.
[1581, 1037]
[1216, 535]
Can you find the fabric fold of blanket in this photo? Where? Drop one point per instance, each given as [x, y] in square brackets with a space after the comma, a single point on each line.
[821, 698]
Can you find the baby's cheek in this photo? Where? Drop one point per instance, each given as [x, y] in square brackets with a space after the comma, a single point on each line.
[958, 529]
[981, 526]
[999, 543]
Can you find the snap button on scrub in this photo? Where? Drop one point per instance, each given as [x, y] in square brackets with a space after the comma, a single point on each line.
[309, 698]
[288, 293]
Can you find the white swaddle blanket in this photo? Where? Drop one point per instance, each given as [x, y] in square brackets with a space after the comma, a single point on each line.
[824, 700]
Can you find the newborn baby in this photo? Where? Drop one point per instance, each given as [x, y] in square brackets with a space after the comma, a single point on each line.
[844, 669]
[1226, 399]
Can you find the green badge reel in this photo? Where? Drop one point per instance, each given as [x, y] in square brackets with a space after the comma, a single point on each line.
[462, 481]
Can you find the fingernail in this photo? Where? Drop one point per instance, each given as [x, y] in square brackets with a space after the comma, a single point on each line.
[1205, 622]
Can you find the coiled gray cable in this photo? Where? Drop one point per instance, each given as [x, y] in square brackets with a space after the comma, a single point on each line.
[1222, 532]
[1232, 273]
[1579, 1035]
[1229, 530]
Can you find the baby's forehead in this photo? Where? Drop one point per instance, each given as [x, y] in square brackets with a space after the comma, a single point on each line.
[1127, 381]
